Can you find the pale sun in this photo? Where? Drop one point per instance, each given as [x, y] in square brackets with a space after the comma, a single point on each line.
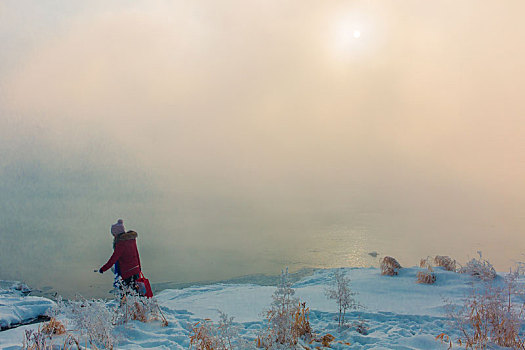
[347, 35]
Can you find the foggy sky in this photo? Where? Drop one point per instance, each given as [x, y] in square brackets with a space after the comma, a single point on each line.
[245, 127]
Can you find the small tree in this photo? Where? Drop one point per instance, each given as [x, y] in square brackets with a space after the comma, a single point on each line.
[280, 315]
[287, 317]
[342, 294]
[227, 331]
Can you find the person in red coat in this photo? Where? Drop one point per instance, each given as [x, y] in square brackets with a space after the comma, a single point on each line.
[127, 255]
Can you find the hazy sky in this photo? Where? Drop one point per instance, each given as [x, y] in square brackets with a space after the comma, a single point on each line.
[258, 128]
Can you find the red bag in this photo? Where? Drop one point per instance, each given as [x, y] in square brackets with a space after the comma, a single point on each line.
[144, 286]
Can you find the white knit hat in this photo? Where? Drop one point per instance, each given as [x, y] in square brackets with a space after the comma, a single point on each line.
[118, 227]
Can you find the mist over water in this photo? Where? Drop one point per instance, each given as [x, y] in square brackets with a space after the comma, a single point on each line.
[240, 139]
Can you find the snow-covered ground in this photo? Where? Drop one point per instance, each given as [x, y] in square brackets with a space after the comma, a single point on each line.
[399, 313]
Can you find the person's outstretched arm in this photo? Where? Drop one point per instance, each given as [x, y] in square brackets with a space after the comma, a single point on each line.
[112, 260]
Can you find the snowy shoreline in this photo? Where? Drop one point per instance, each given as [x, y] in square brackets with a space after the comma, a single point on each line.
[399, 312]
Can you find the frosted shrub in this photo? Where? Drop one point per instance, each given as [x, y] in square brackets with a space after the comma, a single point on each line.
[445, 262]
[91, 318]
[41, 340]
[340, 292]
[428, 276]
[287, 318]
[490, 317]
[94, 321]
[58, 308]
[280, 314]
[479, 268]
[361, 327]
[135, 307]
[205, 335]
[227, 331]
[35, 340]
[389, 266]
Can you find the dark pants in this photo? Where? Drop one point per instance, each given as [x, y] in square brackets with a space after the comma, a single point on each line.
[131, 282]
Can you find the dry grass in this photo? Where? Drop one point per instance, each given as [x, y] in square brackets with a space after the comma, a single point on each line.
[445, 262]
[201, 336]
[135, 307]
[300, 329]
[138, 312]
[42, 340]
[301, 326]
[326, 340]
[426, 277]
[69, 342]
[53, 327]
[389, 266]
[423, 263]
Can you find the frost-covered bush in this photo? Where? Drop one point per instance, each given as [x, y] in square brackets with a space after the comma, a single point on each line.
[41, 340]
[389, 266]
[94, 321]
[59, 308]
[205, 335]
[426, 277]
[227, 331]
[490, 316]
[287, 318]
[479, 268]
[280, 314]
[445, 262]
[361, 327]
[132, 306]
[341, 292]
[35, 340]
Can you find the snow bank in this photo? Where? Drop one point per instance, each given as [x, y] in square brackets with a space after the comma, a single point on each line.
[398, 312]
[16, 307]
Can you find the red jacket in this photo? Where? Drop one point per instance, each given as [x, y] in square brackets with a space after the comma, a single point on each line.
[127, 255]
